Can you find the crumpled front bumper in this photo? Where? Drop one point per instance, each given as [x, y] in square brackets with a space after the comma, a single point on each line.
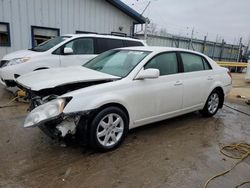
[60, 127]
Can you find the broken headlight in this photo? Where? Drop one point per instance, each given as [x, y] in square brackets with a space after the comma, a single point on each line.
[44, 112]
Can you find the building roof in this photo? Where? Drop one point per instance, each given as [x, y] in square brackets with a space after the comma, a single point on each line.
[127, 10]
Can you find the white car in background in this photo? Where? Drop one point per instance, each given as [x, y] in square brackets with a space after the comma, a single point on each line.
[62, 51]
[122, 89]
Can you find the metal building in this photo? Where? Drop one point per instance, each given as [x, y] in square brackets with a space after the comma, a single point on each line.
[26, 23]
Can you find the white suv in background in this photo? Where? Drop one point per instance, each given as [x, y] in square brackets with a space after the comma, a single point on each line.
[62, 51]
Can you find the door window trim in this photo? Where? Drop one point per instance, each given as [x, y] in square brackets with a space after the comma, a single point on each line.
[202, 58]
[178, 62]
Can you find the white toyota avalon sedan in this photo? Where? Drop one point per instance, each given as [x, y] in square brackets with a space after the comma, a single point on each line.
[122, 89]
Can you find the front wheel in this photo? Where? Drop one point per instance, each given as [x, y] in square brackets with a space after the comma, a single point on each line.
[212, 104]
[108, 129]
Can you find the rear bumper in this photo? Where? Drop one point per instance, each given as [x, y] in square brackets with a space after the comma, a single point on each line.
[227, 89]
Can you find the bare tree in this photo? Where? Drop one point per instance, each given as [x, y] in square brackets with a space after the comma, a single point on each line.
[152, 28]
[163, 32]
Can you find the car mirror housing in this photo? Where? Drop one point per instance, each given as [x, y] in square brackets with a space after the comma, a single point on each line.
[148, 74]
[67, 50]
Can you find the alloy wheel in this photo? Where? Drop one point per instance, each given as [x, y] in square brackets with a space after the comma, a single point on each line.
[110, 130]
[213, 103]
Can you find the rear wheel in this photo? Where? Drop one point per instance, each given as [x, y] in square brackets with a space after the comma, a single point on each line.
[212, 104]
[108, 129]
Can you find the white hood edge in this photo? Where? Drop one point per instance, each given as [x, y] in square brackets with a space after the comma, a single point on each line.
[20, 54]
[50, 78]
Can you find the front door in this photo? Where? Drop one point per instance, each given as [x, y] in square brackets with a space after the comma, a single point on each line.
[157, 99]
[82, 52]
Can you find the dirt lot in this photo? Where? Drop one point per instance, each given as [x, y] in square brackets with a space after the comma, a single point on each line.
[181, 152]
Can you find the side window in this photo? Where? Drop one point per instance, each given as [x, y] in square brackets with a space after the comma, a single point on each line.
[85, 32]
[4, 34]
[104, 44]
[115, 43]
[192, 62]
[166, 63]
[128, 43]
[81, 46]
[206, 65]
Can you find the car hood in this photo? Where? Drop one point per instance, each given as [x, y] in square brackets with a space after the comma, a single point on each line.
[20, 54]
[50, 78]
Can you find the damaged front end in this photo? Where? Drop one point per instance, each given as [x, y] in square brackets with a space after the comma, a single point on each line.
[51, 119]
[46, 110]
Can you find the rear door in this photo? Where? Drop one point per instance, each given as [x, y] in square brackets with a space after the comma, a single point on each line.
[197, 79]
[83, 51]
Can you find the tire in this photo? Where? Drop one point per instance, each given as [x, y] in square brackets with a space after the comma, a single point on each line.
[212, 104]
[111, 124]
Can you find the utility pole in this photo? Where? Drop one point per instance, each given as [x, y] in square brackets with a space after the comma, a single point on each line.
[239, 51]
[191, 40]
[204, 44]
[147, 22]
[145, 8]
[222, 49]
[146, 29]
[214, 46]
[248, 45]
[217, 36]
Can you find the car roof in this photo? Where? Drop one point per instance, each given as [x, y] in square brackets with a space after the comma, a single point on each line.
[102, 36]
[158, 49]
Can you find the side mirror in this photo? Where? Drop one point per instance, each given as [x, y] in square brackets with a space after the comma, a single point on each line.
[67, 50]
[148, 74]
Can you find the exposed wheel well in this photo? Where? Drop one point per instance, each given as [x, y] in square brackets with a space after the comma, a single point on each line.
[221, 92]
[116, 105]
[83, 129]
[41, 68]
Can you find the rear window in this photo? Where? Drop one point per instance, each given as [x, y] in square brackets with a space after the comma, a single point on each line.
[104, 45]
[193, 62]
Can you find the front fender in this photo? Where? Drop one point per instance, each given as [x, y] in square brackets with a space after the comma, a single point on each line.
[87, 103]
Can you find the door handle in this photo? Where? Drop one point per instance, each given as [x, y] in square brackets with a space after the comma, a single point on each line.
[178, 83]
[210, 78]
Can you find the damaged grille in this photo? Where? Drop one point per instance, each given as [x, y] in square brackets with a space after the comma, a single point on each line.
[3, 63]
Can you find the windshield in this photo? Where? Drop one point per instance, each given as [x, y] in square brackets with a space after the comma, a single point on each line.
[117, 62]
[49, 44]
